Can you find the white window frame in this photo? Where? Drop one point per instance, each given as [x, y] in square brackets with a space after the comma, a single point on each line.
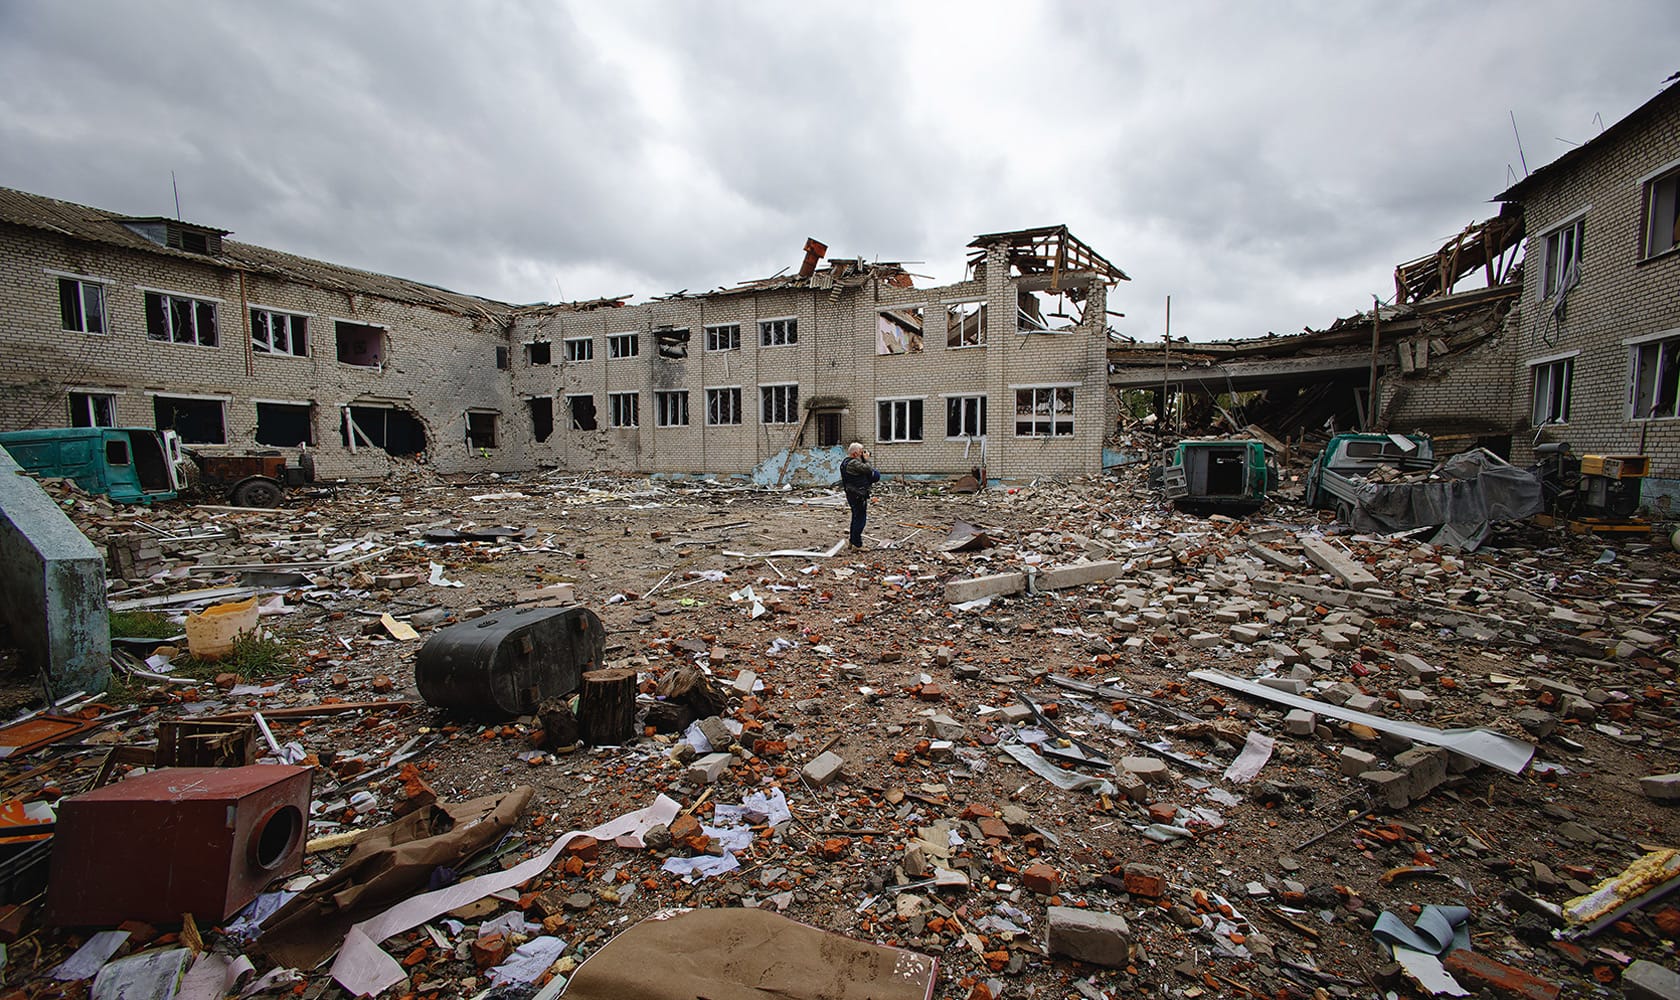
[89, 395]
[978, 410]
[260, 346]
[584, 346]
[1546, 406]
[83, 282]
[1667, 174]
[671, 406]
[963, 343]
[1051, 419]
[1655, 343]
[616, 345]
[719, 393]
[169, 299]
[624, 410]
[898, 425]
[1554, 266]
[722, 337]
[778, 331]
[778, 403]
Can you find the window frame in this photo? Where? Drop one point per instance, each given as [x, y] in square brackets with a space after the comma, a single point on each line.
[667, 400]
[1555, 266]
[571, 347]
[956, 407]
[1050, 418]
[1664, 346]
[531, 353]
[778, 403]
[891, 404]
[616, 342]
[717, 393]
[617, 403]
[88, 396]
[292, 316]
[778, 331]
[495, 428]
[1544, 387]
[1667, 175]
[167, 305]
[716, 332]
[83, 283]
[572, 416]
[221, 405]
[963, 343]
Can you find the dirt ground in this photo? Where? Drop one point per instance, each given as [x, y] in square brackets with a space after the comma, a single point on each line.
[1269, 887]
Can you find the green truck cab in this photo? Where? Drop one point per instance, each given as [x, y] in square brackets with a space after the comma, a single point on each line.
[128, 464]
[1220, 477]
[1330, 483]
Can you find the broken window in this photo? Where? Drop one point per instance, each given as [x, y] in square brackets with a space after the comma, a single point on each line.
[1031, 318]
[1563, 257]
[360, 344]
[899, 331]
[539, 352]
[81, 305]
[1551, 391]
[279, 333]
[898, 420]
[828, 428]
[673, 407]
[580, 349]
[672, 343]
[582, 409]
[502, 357]
[623, 409]
[180, 320]
[1662, 214]
[197, 421]
[481, 428]
[1656, 378]
[965, 324]
[397, 432]
[1046, 412]
[778, 332]
[778, 404]
[723, 337]
[285, 425]
[542, 416]
[965, 416]
[93, 409]
[623, 345]
[723, 406]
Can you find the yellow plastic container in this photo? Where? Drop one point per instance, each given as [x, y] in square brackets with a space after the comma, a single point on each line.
[210, 633]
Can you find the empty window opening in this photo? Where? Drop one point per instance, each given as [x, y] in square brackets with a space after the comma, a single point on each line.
[1662, 214]
[898, 420]
[778, 332]
[197, 421]
[1044, 412]
[1551, 391]
[582, 409]
[965, 324]
[360, 344]
[623, 409]
[93, 409]
[1564, 252]
[180, 320]
[828, 429]
[965, 416]
[623, 345]
[285, 425]
[899, 331]
[542, 416]
[81, 305]
[723, 337]
[481, 428]
[116, 452]
[1064, 314]
[1656, 378]
[580, 349]
[502, 357]
[397, 432]
[673, 408]
[723, 406]
[539, 352]
[279, 333]
[778, 404]
[672, 343]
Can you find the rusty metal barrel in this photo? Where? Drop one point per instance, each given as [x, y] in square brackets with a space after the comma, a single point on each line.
[506, 664]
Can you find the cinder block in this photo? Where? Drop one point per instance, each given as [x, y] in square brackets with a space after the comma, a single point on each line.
[1089, 936]
[974, 588]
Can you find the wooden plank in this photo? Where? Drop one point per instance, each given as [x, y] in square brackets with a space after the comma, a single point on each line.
[1334, 561]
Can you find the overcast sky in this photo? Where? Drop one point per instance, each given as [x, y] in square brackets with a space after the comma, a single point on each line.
[1264, 164]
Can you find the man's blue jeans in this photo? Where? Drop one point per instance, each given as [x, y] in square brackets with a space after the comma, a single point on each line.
[860, 511]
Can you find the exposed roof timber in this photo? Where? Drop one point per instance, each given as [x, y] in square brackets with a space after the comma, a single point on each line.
[1480, 245]
[1046, 250]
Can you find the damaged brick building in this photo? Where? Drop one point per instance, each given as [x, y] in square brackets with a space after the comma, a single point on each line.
[120, 320]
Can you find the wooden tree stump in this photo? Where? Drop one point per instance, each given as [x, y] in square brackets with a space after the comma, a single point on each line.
[607, 707]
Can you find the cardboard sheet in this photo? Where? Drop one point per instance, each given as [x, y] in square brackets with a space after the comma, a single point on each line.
[747, 954]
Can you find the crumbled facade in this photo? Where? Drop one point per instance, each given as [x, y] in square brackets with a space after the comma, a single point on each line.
[154, 322]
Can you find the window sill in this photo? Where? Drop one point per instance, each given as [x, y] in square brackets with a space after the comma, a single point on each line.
[966, 437]
[276, 354]
[1657, 258]
[1651, 420]
[965, 347]
[177, 343]
[902, 441]
[92, 333]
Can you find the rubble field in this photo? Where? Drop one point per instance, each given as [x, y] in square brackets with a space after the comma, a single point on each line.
[978, 738]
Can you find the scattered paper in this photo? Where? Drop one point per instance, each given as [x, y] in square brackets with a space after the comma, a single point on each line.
[437, 579]
[1256, 751]
[90, 957]
[528, 961]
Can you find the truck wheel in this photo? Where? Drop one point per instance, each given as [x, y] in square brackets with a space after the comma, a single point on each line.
[256, 493]
[1344, 512]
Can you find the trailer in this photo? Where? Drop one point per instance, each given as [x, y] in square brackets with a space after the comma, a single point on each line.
[253, 480]
[1219, 477]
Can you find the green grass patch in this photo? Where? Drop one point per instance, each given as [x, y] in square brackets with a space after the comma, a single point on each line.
[253, 657]
[143, 625]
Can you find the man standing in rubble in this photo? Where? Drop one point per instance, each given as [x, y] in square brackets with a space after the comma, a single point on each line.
[857, 475]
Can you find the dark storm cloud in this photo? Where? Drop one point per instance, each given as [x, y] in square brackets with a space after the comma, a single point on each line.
[1267, 165]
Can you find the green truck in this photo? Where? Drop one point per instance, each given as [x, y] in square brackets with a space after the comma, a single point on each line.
[1330, 482]
[129, 464]
[1218, 477]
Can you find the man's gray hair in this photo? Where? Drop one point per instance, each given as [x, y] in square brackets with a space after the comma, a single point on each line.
[854, 448]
